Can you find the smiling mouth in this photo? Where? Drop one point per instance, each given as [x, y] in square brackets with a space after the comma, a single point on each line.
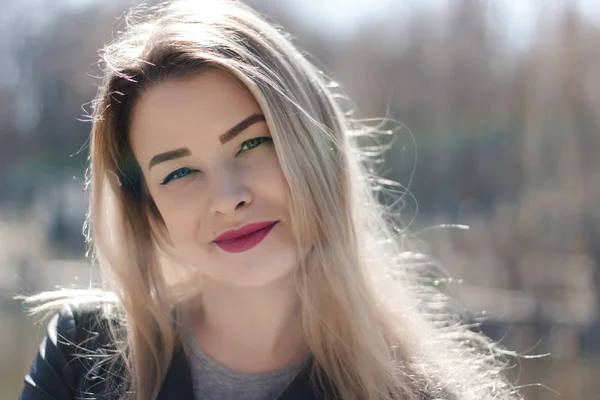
[245, 242]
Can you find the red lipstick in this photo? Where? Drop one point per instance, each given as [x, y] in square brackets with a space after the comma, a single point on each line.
[244, 238]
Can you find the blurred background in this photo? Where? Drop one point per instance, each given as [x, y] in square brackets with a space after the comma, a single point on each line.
[500, 101]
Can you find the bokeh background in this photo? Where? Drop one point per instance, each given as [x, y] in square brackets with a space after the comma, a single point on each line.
[500, 106]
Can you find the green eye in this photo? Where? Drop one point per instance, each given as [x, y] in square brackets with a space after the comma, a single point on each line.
[179, 174]
[252, 143]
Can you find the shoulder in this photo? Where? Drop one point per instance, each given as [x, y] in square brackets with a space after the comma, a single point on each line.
[76, 351]
[85, 325]
[87, 340]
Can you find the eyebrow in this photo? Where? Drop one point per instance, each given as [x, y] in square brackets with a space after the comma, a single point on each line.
[233, 132]
[224, 138]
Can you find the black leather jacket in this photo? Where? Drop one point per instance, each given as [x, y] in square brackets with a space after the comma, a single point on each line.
[65, 371]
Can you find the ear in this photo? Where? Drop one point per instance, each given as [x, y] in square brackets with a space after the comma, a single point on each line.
[113, 178]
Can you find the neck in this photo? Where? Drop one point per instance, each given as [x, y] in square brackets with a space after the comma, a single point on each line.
[251, 329]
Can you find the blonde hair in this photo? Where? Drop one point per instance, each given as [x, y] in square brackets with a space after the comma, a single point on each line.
[376, 327]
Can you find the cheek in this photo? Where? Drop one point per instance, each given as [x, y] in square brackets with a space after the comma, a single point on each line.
[269, 184]
[182, 217]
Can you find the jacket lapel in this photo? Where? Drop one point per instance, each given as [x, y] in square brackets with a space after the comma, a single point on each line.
[305, 387]
[178, 382]
[299, 389]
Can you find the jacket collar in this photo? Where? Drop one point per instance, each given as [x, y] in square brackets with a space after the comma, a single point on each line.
[178, 383]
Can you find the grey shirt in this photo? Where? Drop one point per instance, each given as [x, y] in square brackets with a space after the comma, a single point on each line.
[213, 381]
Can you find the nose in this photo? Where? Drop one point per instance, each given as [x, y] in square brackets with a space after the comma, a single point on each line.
[228, 192]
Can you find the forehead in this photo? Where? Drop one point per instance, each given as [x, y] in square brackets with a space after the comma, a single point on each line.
[208, 103]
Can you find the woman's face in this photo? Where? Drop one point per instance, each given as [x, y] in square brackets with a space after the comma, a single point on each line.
[210, 165]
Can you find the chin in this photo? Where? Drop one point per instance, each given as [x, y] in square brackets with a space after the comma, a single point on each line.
[255, 276]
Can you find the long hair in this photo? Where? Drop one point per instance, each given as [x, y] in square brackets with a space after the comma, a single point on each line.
[375, 327]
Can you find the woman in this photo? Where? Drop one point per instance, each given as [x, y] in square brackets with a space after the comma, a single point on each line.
[236, 227]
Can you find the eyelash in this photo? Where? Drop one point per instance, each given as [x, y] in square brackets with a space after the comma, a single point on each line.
[260, 140]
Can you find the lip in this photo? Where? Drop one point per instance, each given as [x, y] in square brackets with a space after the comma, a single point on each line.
[244, 230]
[244, 238]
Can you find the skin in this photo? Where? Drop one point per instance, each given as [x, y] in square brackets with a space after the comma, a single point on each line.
[249, 315]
